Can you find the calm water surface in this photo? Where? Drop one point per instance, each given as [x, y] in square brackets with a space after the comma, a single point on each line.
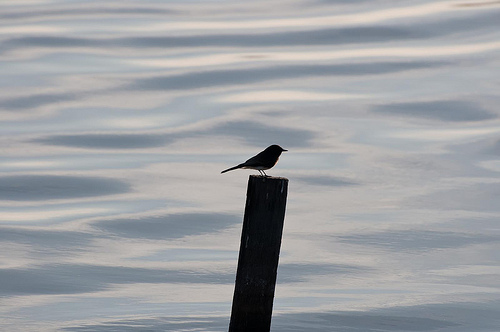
[117, 118]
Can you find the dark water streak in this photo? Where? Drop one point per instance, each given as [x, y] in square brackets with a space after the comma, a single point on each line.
[330, 36]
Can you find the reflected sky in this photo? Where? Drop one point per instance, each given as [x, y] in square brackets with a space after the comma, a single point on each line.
[62, 279]
[345, 35]
[71, 278]
[117, 119]
[167, 227]
[300, 38]
[252, 132]
[248, 76]
[34, 101]
[452, 110]
[401, 319]
[47, 187]
[107, 141]
[416, 240]
[478, 197]
[326, 181]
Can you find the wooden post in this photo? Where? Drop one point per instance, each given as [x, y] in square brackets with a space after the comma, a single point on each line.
[259, 254]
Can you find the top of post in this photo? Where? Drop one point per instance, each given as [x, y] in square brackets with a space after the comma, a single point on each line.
[264, 178]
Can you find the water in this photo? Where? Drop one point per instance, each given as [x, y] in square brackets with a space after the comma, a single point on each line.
[117, 118]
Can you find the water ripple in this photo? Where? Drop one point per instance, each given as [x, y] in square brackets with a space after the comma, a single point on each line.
[254, 133]
[444, 110]
[43, 187]
[234, 77]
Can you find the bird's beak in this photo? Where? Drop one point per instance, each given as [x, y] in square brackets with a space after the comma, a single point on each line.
[284, 150]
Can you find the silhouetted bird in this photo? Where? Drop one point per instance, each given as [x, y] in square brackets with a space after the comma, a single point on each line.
[264, 160]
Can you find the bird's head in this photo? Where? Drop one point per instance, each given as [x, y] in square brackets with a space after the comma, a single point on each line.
[276, 149]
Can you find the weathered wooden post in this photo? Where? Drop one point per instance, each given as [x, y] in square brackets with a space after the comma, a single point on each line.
[259, 254]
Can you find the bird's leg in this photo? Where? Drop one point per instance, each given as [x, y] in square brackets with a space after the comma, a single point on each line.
[260, 172]
[264, 173]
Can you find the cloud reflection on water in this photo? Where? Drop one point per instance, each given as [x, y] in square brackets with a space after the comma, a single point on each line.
[89, 9]
[444, 110]
[358, 322]
[75, 278]
[107, 141]
[297, 272]
[45, 187]
[481, 197]
[46, 239]
[454, 317]
[289, 38]
[414, 241]
[167, 227]
[251, 132]
[34, 101]
[226, 77]
[68, 278]
[234, 77]
[327, 181]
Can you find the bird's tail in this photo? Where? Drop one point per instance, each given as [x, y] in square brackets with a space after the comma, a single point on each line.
[232, 168]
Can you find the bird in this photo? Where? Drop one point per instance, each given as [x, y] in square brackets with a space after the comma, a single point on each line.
[262, 161]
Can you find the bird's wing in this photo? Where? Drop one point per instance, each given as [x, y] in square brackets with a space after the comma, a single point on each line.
[256, 160]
